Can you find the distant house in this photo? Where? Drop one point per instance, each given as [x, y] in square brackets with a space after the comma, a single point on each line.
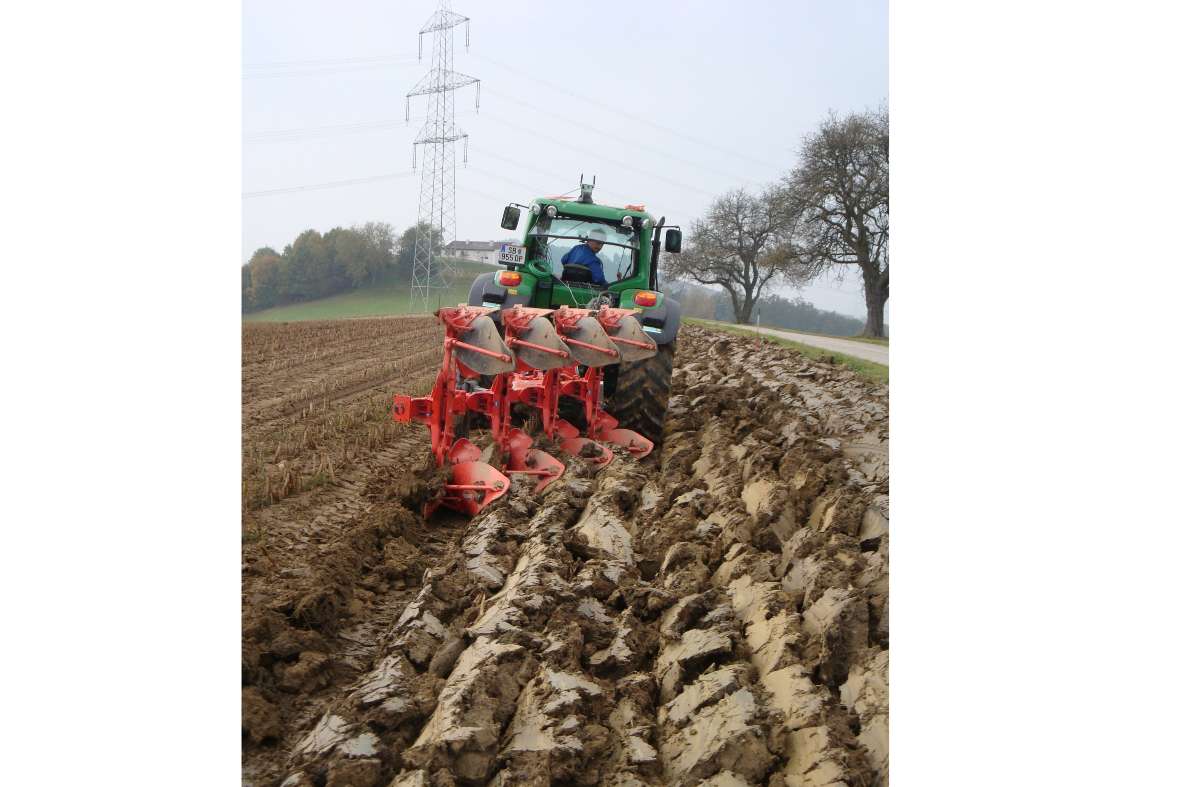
[485, 251]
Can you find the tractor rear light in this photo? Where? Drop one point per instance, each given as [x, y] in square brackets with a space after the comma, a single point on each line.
[551, 211]
[628, 221]
[509, 278]
[635, 207]
[645, 298]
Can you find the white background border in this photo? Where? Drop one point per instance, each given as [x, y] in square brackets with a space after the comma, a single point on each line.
[1033, 392]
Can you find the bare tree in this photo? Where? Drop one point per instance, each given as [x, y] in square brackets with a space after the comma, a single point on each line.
[839, 195]
[740, 245]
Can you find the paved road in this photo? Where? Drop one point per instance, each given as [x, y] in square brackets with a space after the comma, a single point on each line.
[877, 353]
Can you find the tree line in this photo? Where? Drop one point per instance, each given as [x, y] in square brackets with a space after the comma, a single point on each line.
[829, 214]
[772, 310]
[317, 265]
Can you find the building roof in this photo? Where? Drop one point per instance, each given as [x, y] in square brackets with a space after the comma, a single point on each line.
[472, 245]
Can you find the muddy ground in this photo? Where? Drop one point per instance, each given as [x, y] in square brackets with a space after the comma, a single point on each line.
[716, 613]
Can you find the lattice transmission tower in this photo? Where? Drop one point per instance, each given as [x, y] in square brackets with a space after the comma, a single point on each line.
[438, 137]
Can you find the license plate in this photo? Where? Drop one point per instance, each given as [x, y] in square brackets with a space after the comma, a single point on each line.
[510, 253]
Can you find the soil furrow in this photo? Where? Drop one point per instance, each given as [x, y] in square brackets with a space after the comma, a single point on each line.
[714, 614]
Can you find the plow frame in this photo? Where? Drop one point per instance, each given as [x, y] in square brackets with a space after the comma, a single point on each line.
[474, 483]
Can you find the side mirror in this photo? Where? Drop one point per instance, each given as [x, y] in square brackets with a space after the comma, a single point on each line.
[511, 218]
[672, 241]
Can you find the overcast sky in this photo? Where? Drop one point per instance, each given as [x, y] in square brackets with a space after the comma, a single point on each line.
[710, 96]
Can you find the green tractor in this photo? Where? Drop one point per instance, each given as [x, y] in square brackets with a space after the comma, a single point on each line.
[626, 242]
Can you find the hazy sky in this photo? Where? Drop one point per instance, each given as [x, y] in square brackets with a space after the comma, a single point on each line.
[709, 96]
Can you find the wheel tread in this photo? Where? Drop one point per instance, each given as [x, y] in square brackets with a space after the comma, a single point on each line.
[640, 398]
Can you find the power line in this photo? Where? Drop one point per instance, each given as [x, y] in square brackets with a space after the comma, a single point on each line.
[614, 108]
[528, 187]
[298, 134]
[376, 178]
[515, 163]
[598, 154]
[349, 64]
[328, 185]
[316, 132]
[281, 135]
[327, 70]
[334, 61]
[548, 172]
[629, 143]
[531, 188]
[478, 193]
[288, 135]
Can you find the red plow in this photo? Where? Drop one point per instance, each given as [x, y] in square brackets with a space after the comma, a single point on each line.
[543, 354]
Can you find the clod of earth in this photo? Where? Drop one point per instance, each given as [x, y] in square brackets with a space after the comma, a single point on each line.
[715, 614]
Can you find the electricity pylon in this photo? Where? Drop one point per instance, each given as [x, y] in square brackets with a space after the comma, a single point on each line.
[438, 136]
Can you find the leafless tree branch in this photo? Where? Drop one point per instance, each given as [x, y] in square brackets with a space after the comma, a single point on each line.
[839, 197]
[742, 243]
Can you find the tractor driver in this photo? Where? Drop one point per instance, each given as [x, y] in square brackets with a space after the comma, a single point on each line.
[585, 256]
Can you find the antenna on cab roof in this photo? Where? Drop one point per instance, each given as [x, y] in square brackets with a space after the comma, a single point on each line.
[587, 189]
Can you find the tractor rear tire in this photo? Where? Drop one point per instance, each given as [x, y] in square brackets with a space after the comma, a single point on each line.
[640, 396]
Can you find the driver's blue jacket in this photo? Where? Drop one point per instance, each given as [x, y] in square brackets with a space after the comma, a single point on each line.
[581, 255]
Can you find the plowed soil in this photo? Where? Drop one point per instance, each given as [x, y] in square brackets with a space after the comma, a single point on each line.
[716, 613]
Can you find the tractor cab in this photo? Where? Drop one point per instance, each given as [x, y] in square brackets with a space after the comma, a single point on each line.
[588, 254]
[577, 253]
